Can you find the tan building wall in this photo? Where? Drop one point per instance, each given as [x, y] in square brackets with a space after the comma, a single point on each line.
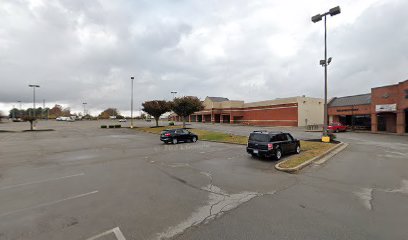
[310, 111]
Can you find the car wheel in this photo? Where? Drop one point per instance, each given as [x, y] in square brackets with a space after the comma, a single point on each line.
[175, 141]
[297, 149]
[337, 130]
[278, 154]
[194, 139]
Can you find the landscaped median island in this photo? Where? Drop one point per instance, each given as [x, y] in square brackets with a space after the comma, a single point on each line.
[203, 135]
[310, 150]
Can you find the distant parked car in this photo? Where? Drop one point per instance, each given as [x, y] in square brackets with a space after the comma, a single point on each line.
[177, 135]
[122, 120]
[17, 120]
[272, 144]
[337, 127]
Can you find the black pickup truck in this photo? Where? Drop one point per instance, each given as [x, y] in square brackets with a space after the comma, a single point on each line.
[272, 144]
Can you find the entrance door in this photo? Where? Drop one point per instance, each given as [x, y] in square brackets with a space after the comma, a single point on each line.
[406, 120]
[381, 123]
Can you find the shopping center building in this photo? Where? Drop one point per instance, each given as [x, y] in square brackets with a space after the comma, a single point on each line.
[294, 111]
[385, 109]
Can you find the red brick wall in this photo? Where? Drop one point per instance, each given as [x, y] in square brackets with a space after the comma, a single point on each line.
[390, 95]
[275, 115]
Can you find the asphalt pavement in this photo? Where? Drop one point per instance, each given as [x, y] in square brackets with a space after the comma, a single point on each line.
[83, 182]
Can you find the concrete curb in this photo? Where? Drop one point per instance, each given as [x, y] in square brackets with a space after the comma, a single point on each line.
[322, 158]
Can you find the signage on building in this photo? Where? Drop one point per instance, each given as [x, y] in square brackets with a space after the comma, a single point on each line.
[347, 110]
[386, 107]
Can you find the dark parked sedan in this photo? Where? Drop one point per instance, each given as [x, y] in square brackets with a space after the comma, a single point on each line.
[177, 135]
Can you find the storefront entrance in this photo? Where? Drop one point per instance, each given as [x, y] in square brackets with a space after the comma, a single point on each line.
[362, 122]
[406, 120]
[387, 122]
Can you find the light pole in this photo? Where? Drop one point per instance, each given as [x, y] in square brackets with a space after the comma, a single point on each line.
[131, 103]
[34, 86]
[325, 62]
[174, 94]
[43, 110]
[19, 110]
[84, 103]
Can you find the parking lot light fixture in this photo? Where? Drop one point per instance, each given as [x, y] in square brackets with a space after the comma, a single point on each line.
[84, 103]
[131, 103]
[34, 86]
[332, 12]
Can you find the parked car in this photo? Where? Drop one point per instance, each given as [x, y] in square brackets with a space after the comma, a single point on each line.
[337, 127]
[177, 135]
[122, 120]
[272, 144]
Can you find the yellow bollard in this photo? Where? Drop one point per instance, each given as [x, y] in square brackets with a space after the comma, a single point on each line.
[326, 139]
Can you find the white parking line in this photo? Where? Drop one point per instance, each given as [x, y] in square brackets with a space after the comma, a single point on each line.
[116, 231]
[40, 181]
[47, 204]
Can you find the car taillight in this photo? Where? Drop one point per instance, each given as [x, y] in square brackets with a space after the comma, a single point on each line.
[167, 134]
[270, 146]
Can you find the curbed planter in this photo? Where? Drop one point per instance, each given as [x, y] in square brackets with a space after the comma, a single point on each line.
[329, 153]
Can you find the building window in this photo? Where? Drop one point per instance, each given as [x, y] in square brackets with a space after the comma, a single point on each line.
[406, 93]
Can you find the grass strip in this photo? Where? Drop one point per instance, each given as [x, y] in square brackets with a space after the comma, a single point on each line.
[309, 149]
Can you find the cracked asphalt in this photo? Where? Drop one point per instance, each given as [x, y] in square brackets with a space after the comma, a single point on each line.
[81, 181]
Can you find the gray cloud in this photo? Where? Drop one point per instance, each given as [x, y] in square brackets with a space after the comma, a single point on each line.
[252, 50]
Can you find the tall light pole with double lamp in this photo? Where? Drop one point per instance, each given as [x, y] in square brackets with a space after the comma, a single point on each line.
[174, 94]
[84, 104]
[131, 103]
[34, 86]
[325, 62]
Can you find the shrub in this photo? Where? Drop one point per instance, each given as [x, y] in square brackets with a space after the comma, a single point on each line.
[103, 126]
[118, 126]
[111, 126]
[171, 123]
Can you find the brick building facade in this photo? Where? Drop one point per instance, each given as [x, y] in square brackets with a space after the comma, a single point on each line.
[295, 111]
[385, 109]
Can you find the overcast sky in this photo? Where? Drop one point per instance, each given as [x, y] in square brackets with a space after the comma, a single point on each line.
[85, 51]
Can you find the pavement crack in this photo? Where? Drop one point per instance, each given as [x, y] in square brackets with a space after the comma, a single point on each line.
[219, 203]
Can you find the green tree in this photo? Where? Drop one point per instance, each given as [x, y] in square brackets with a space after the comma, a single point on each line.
[31, 120]
[186, 106]
[109, 112]
[156, 108]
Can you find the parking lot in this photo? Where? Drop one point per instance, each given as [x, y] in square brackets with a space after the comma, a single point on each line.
[83, 182]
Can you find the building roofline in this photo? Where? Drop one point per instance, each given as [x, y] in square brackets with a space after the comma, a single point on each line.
[351, 96]
[389, 85]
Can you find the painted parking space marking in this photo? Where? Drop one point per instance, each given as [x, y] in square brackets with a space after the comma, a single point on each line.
[47, 204]
[116, 231]
[41, 181]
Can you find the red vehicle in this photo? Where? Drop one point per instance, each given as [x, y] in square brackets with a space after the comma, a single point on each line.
[337, 127]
